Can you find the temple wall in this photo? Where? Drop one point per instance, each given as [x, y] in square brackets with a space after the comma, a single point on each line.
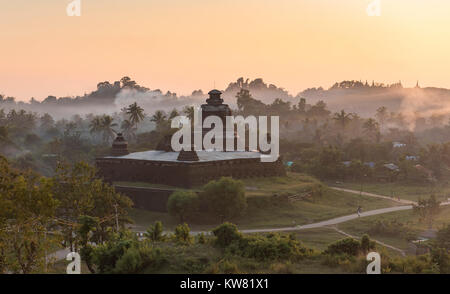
[181, 174]
[147, 198]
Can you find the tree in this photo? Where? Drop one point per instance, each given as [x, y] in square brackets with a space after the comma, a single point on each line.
[226, 234]
[224, 197]
[318, 110]
[427, 209]
[328, 164]
[182, 204]
[342, 119]
[174, 113]
[301, 106]
[81, 193]
[183, 234]
[443, 237]
[106, 127]
[382, 116]
[136, 114]
[95, 126]
[372, 129]
[46, 121]
[160, 119]
[247, 104]
[128, 130]
[27, 207]
[189, 112]
[155, 232]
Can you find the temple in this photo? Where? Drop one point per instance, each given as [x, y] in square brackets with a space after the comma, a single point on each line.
[187, 168]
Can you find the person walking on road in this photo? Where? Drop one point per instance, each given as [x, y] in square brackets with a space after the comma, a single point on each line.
[358, 211]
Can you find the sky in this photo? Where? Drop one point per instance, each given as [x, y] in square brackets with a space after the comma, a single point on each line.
[182, 45]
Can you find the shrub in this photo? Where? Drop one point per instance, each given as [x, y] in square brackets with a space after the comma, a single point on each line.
[155, 232]
[182, 234]
[348, 246]
[224, 198]
[367, 244]
[272, 247]
[226, 233]
[201, 239]
[413, 264]
[183, 204]
[443, 237]
[441, 257]
[129, 263]
[105, 256]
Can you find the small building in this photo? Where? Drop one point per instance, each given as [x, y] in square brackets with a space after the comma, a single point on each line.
[398, 144]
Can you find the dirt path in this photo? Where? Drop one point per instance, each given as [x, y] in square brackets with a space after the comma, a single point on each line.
[402, 201]
[402, 252]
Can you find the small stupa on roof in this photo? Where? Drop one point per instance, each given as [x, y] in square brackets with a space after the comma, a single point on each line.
[119, 146]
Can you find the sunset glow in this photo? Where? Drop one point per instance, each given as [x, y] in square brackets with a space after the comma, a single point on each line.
[181, 46]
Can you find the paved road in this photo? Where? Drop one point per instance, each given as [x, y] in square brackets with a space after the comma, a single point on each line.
[333, 221]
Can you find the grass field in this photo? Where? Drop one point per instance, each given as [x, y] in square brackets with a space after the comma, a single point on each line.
[404, 191]
[361, 226]
[266, 211]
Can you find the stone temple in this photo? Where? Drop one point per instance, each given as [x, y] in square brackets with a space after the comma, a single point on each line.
[186, 168]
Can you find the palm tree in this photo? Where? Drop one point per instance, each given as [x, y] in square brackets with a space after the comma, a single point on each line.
[174, 113]
[342, 118]
[128, 129]
[372, 128]
[95, 126]
[382, 115]
[189, 112]
[107, 125]
[159, 118]
[136, 113]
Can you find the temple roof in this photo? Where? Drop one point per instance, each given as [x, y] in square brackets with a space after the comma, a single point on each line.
[204, 156]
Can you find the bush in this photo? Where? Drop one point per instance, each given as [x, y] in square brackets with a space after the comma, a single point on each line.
[443, 237]
[155, 232]
[201, 239]
[348, 246]
[183, 204]
[224, 198]
[367, 244]
[129, 263]
[182, 234]
[413, 265]
[105, 256]
[226, 233]
[272, 247]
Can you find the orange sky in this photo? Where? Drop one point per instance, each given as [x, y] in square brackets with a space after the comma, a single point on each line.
[182, 45]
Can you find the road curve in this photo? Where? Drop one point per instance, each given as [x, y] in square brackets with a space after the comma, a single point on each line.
[333, 221]
[60, 254]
